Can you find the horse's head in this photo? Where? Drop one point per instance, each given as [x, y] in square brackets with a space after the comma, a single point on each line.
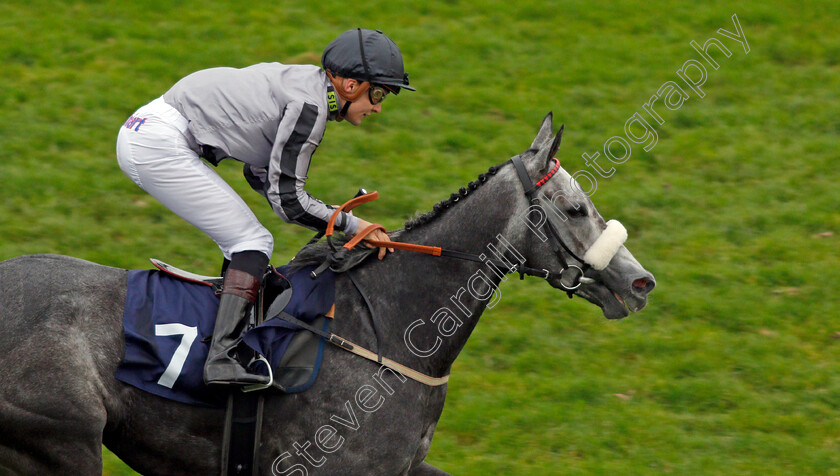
[616, 281]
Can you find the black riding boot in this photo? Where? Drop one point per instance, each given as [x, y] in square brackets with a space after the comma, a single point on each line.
[222, 367]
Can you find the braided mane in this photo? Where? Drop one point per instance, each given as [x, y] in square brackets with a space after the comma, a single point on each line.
[444, 205]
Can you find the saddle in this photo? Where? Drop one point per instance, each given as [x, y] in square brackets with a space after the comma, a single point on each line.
[297, 368]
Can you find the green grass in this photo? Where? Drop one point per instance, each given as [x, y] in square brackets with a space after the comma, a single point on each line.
[732, 368]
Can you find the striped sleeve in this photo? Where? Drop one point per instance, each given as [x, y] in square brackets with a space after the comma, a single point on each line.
[298, 135]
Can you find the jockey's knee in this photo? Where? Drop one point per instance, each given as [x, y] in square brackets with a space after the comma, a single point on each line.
[261, 240]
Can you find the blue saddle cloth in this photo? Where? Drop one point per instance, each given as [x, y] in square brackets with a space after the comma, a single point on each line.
[168, 324]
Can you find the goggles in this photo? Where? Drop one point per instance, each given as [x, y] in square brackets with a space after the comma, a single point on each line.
[377, 93]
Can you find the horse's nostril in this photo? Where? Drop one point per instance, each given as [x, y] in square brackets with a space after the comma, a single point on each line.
[643, 285]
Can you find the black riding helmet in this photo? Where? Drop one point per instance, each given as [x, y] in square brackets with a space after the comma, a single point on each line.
[366, 55]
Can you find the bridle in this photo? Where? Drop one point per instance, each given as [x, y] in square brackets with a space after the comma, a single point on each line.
[557, 243]
[338, 255]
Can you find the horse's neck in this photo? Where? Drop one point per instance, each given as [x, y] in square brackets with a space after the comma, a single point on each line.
[434, 302]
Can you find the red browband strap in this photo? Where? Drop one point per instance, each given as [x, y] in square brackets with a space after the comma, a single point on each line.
[550, 173]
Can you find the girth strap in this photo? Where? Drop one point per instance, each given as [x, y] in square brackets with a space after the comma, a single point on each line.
[241, 438]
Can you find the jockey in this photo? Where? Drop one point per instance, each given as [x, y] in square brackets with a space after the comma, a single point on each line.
[271, 117]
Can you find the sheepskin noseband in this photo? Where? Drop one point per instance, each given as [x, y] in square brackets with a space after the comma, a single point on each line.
[606, 246]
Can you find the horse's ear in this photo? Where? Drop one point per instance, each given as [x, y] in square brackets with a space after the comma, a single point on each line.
[545, 132]
[555, 146]
[542, 159]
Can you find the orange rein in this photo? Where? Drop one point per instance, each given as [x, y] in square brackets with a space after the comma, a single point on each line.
[351, 204]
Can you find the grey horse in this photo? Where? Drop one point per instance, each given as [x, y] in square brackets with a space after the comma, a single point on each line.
[62, 340]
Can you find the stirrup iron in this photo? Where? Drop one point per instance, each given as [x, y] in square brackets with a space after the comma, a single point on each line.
[257, 386]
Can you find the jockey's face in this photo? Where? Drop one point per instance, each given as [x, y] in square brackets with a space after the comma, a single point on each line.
[361, 107]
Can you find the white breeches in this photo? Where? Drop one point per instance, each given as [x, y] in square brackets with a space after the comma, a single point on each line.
[157, 151]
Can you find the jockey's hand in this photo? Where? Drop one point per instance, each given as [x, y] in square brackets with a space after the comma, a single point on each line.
[377, 235]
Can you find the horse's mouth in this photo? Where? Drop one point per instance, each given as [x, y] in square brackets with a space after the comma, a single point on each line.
[619, 299]
[616, 298]
[611, 303]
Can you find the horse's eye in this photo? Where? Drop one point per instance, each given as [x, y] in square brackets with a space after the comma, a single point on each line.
[580, 211]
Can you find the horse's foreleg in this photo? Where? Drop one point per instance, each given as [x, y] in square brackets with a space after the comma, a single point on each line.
[40, 436]
[425, 469]
[50, 456]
